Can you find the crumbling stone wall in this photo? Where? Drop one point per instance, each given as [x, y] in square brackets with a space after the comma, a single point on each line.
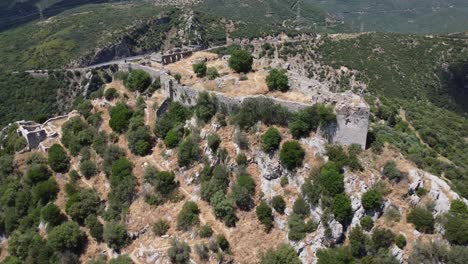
[352, 117]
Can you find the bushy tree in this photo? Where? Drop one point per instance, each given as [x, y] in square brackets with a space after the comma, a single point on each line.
[88, 168]
[335, 255]
[283, 254]
[243, 191]
[213, 142]
[175, 115]
[400, 241]
[309, 119]
[265, 215]
[45, 191]
[266, 110]
[173, 137]
[120, 117]
[278, 204]
[82, 204]
[77, 134]
[358, 242]
[66, 236]
[292, 154]
[161, 227]
[422, 219]
[188, 216]
[138, 80]
[271, 139]
[58, 158]
[277, 80]
[164, 182]
[188, 152]
[206, 107]
[342, 208]
[27, 246]
[115, 235]
[241, 61]
[96, 229]
[52, 214]
[179, 252]
[223, 208]
[330, 179]
[372, 200]
[382, 238]
[36, 173]
[139, 137]
[199, 69]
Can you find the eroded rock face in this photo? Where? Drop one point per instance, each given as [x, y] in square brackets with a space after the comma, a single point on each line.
[268, 165]
[440, 192]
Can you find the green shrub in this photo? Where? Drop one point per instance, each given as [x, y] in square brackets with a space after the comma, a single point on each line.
[284, 181]
[334, 255]
[96, 229]
[253, 110]
[213, 142]
[241, 159]
[330, 179]
[241, 61]
[392, 214]
[206, 107]
[400, 241]
[36, 173]
[265, 215]
[277, 80]
[58, 158]
[298, 228]
[205, 231]
[391, 171]
[212, 73]
[371, 200]
[199, 69]
[179, 252]
[88, 168]
[456, 224]
[367, 223]
[422, 220]
[120, 117]
[223, 243]
[175, 115]
[188, 216]
[309, 119]
[172, 138]
[161, 227]
[139, 137]
[66, 236]
[223, 208]
[51, 214]
[138, 80]
[284, 254]
[163, 182]
[188, 152]
[358, 242]
[382, 238]
[45, 191]
[243, 191]
[278, 204]
[300, 207]
[292, 154]
[110, 94]
[115, 235]
[82, 204]
[271, 139]
[421, 192]
[122, 259]
[342, 208]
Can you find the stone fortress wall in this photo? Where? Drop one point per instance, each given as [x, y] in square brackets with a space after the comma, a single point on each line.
[352, 112]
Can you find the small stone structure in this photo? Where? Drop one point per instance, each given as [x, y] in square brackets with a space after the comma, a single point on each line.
[352, 112]
[42, 136]
[175, 55]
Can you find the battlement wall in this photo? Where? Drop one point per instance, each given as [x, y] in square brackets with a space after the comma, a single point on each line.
[352, 118]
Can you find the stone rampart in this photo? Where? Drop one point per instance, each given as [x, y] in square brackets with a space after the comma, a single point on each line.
[352, 115]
